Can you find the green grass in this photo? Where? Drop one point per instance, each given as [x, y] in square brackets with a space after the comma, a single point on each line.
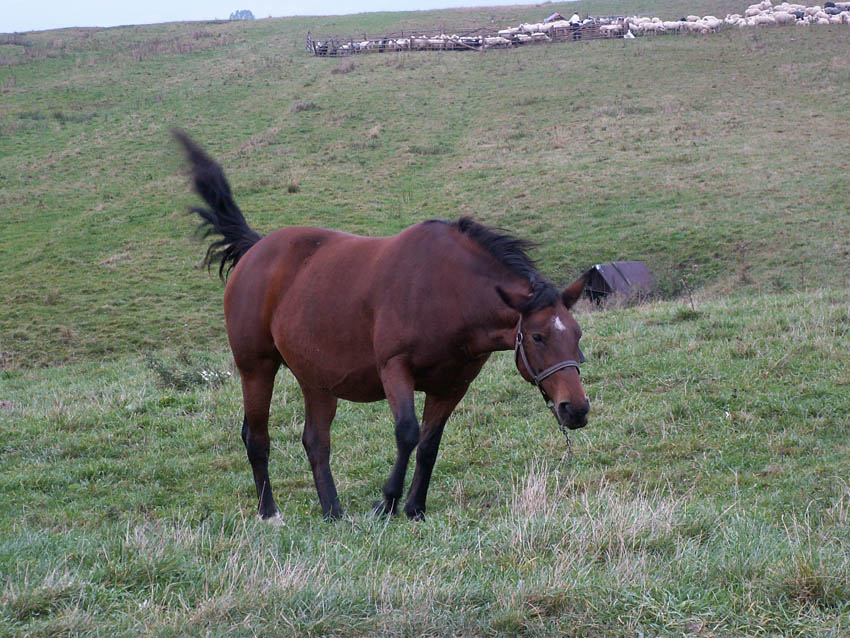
[719, 161]
[709, 493]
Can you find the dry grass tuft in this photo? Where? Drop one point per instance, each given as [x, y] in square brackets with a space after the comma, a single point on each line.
[30, 600]
[343, 67]
[300, 107]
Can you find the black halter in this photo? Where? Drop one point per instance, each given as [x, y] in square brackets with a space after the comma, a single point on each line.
[538, 377]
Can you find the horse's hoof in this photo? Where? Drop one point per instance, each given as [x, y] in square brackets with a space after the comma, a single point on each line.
[333, 515]
[275, 520]
[380, 508]
[417, 516]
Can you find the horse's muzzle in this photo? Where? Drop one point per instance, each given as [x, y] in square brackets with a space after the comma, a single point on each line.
[573, 416]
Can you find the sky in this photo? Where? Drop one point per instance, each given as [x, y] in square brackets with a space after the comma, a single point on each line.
[35, 15]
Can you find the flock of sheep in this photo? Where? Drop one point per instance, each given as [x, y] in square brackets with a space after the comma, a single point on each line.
[761, 14]
[521, 35]
[576, 28]
[436, 42]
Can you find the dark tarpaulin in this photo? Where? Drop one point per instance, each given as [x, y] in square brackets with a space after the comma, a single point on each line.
[628, 278]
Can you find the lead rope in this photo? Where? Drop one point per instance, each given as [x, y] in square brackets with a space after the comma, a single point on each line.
[567, 458]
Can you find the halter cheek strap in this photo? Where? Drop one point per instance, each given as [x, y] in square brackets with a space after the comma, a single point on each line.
[538, 377]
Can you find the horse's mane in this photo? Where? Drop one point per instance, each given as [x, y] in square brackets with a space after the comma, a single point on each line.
[512, 253]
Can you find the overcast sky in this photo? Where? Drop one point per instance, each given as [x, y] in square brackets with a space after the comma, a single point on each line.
[35, 15]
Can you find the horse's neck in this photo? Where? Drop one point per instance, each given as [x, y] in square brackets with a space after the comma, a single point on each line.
[495, 326]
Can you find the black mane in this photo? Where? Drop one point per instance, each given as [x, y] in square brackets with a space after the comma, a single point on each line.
[510, 251]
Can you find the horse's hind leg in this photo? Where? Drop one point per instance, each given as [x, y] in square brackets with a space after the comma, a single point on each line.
[319, 412]
[398, 386]
[257, 386]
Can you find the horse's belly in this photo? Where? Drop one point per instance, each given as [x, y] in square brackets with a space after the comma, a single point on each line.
[449, 377]
[362, 386]
[355, 382]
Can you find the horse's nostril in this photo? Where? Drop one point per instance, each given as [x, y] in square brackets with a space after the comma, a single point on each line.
[574, 411]
[573, 416]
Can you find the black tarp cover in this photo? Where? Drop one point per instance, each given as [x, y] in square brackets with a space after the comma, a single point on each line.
[629, 278]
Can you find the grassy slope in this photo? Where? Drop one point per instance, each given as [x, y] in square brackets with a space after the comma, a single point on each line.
[709, 495]
[710, 158]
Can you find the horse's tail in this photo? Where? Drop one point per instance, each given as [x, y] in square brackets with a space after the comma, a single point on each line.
[223, 216]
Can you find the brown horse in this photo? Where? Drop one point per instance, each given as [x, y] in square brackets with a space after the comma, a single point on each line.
[365, 319]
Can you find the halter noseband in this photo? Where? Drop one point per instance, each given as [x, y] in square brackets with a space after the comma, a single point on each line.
[538, 377]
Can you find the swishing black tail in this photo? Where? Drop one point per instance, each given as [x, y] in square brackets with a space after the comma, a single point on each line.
[223, 216]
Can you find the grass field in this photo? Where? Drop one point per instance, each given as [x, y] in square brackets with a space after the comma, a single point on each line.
[709, 494]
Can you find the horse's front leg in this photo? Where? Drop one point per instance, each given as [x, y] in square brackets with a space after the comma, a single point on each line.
[437, 412]
[319, 412]
[398, 386]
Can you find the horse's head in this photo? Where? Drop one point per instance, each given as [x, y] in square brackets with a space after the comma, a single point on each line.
[548, 355]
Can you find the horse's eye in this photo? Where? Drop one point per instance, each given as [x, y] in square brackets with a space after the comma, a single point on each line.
[537, 337]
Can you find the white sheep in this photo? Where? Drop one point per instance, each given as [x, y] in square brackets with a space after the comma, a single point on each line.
[530, 28]
[610, 30]
[496, 42]
[636, 28]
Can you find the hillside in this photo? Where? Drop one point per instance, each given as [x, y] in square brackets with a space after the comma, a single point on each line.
[708, 495]
[718, 160]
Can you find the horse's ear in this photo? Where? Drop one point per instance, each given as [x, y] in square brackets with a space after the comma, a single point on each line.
[572, 293]
[515, 300]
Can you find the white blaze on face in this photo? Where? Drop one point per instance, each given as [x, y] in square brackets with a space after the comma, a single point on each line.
[559, 326]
